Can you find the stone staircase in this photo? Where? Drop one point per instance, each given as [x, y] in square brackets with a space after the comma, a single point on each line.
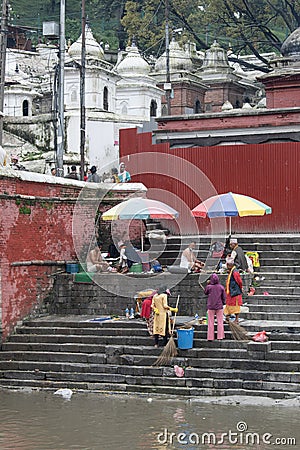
[52, 353]
[69, 351]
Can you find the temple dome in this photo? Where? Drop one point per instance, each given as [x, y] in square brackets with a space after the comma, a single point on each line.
[93, 50]
[215, 58]
[179, 59]
[291, 46]
[133, 63]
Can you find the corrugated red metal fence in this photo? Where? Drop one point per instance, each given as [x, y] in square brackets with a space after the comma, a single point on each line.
[268, 172]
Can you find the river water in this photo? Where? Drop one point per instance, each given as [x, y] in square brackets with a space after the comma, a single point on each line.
[43, 421]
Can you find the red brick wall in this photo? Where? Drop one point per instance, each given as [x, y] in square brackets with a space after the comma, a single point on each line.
[32, 230]
[185, 96]
[282, 92]
[36, 230]
[249, 120]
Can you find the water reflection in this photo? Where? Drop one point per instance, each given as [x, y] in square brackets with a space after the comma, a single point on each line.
[42, 421]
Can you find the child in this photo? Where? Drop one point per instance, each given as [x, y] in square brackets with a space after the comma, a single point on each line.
[215, 301]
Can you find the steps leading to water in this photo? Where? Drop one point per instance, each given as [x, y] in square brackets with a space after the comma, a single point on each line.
[119, 356]
[55, 352]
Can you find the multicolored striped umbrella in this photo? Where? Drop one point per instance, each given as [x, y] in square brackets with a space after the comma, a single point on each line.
[142, 209]
[231, 205]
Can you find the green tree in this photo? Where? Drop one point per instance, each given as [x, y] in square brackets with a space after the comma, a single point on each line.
[254, 26]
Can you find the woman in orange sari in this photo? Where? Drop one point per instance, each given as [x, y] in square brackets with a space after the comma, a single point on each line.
[234, 289]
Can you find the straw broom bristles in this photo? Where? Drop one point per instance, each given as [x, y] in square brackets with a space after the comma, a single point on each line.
[239, 333]
[170, 350]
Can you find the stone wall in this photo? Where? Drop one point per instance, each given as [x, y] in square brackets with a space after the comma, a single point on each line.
[38, 237]
[106, 294]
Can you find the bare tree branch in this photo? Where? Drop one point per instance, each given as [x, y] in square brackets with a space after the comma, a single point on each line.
[246, 40]
[293, 11]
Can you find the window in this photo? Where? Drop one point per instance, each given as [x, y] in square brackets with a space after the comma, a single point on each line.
[153, 108]
[164, 111]
[197, 107]
[105, 99]
[74, 96]
[25, 108]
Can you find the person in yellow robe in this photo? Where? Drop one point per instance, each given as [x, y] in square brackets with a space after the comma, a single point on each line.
[161, 324]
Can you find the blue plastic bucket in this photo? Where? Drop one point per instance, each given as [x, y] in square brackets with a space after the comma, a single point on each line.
[185, 338]
[72, 268]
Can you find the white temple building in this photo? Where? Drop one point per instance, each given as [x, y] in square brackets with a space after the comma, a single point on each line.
[128, 93]
[116, 96]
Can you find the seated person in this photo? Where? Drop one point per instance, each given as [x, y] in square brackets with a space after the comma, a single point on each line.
[238, 255]
[113, 251]
[94, 261]
[189, 260]
[132, 255]
[123, 261]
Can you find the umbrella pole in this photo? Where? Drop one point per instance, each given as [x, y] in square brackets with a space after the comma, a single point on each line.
[229, 225]
[142, 237]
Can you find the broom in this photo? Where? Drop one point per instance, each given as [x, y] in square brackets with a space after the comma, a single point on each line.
[239, 333]
[170, 350]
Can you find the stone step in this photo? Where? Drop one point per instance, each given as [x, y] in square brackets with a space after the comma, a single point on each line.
[284, 355]
[277, 335]
[194, 358]
[266, 258]
[280, 254]
[49, 352]
[294, 269]
[83, 331]
[77, 323]
[281, 316]
[290, 328]
[280, 284]
[244, 364]
[103, 341]
[280, 276]
[254, 326]
[271, 243]
[264, 261]
[189, 382]
[246, 375]
[199, 339]
[255, 308]
[271, 301]
[56, 371]
[37, 366]
[272, 297]
[247, 388]
[53, 357]
[284, 345]
[243, 384]
[278, 290]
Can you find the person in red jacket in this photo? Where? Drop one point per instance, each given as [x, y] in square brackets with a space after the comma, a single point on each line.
[234, 289]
